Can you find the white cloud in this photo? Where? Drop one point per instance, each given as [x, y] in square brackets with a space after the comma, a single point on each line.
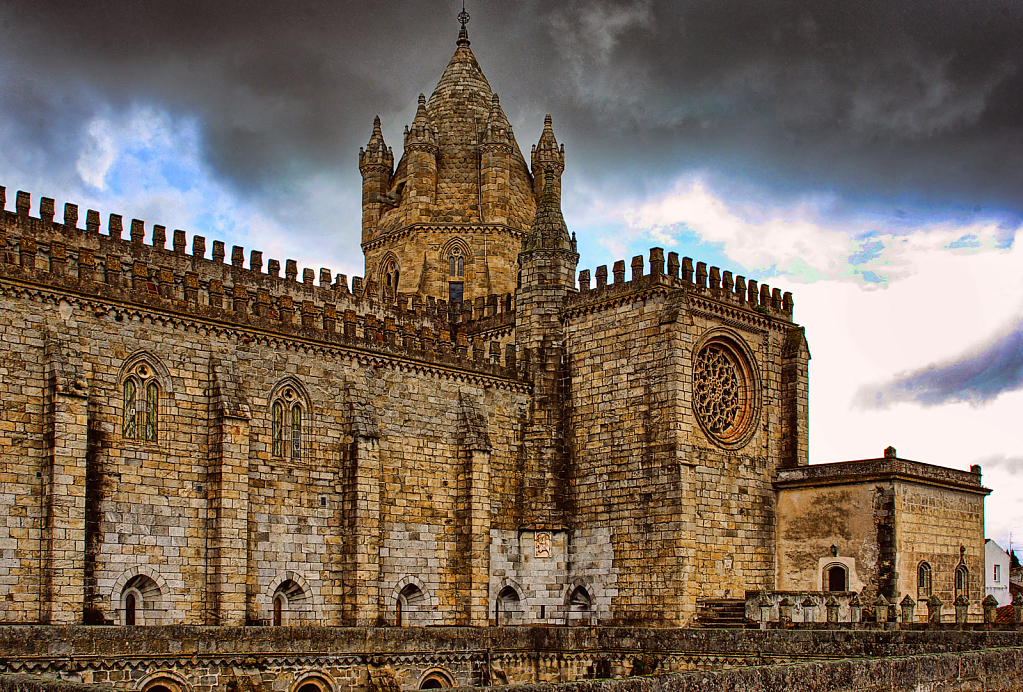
[806, 240]
[946, 286]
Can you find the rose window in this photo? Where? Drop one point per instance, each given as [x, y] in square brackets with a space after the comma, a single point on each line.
[724, 392]
[718, 395]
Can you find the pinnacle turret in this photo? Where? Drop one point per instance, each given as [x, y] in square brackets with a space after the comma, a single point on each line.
[422, 131]
[499, 130]
[376, 153]
[547, 156]
[548, 231]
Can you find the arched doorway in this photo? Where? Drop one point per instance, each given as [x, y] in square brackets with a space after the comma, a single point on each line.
[580, 606]
[837, 578]
[410, 602]
[508, 609]
[436, 679]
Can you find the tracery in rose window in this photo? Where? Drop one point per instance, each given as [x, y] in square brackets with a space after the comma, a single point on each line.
[717, 391]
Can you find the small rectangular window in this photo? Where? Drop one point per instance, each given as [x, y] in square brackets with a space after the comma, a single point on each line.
[455, 292]
[998, 573]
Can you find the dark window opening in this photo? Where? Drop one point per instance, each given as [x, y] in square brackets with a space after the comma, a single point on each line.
[455, 292]
[129, 610]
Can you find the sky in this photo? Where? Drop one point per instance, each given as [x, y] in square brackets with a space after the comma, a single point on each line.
[864, 155]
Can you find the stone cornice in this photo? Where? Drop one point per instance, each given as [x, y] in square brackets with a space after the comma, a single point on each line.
[872, 470]
[365, 352]
[462, 228]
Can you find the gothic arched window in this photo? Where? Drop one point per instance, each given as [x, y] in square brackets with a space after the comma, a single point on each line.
[923, 581]
[286, 425]
[391, 276]
[962, 581]
[456, 263]
[141, 405]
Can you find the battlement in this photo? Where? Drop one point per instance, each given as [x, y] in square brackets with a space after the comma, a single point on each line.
[710, 283]
[131, 270]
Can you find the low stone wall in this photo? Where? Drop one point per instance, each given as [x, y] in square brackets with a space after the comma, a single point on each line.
[992, 671]
[285, 659]
[36, 683]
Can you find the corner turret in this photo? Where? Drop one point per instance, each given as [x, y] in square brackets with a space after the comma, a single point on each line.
[547, 266]
[376, 163]
[547, 156]
[495, 165]
[420, 190]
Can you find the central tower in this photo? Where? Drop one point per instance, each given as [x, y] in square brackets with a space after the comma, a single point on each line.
[448, 221]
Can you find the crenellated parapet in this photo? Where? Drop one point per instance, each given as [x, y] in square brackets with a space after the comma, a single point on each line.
[710, 283]
[126, 275]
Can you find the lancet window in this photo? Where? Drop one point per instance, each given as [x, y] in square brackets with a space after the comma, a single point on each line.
[923, 581]
[456, 263]
[962, 581]
[141, 405]
[391, 276]
[286, 425]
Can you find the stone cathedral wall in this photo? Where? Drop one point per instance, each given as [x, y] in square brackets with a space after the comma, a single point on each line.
[206, 510]
[691, 515]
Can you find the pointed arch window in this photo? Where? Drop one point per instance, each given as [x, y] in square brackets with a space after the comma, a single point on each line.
[391, 276]
[140, 405]
[923, 581]
[456, 263]
[286, 425]
[962, 581]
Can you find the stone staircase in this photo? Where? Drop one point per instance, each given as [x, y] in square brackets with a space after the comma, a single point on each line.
[720, 613]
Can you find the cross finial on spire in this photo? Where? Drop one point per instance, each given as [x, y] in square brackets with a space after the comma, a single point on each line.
[463, 35]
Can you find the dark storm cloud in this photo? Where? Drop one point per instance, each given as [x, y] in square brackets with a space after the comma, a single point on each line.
[907, 102]
[975, 377]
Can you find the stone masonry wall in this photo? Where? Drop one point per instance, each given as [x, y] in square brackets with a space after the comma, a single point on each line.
[688, 518]
[205, 517]
[919, 509]
[811, 520]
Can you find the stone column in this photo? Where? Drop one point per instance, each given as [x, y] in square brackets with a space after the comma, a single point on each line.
[474, 496]
[63, 536]
[228, 500]
[361, 575]
[362, 588]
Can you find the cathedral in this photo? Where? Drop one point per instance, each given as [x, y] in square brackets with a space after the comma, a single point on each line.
[475, 432]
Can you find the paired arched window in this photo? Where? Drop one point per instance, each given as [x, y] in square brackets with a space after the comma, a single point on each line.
[391, 276]
[962, 581]
[456, 263]
[286, 425]
[140, 404]
[456, 274]
[923, 581]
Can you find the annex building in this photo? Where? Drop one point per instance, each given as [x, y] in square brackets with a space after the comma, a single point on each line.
[475, 432]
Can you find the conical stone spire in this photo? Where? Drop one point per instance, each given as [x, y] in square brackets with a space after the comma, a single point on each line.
[376, 153]
[546, 154]
[548, 231]
[422, 131]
